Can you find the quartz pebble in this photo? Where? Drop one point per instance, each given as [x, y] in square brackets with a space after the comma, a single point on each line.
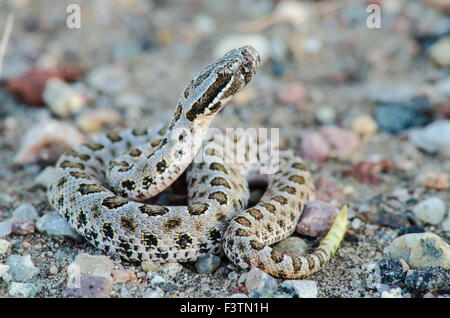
[207, 264]
[3, 269]
[150, 266]
[365, 126]
[317, 218]
[293, 246]
[5, 247]
[431, 211]
[47, 141]
[91, 265]
[392, 293]
[123, 275]
[25, 289]
[433, 138]
[300, 288]
[439, 52]
[21, 267]
[93, 120]
[55, 225]
[420, 250]
[153, 293]
[259, 281]
[61, 98]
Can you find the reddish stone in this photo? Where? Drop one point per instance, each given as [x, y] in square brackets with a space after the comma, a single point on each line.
[314, 146]
[23, 228]
[327, 190]
[367, 172]
[240, 289]
[317, 218]
[443, 110]
[30, 86]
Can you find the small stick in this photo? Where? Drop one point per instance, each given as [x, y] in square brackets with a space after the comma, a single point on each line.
[5, 38]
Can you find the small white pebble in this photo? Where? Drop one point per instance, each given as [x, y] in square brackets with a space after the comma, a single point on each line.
[53, 270]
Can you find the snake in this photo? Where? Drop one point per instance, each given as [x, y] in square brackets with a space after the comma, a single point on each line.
[103, 188]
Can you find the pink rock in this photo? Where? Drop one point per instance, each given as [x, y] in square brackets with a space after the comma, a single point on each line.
[259, 281]
[293, 94]
[123, 275]
[327, 190]
[314, 146]
[47, 141]
[317, 218]
[341, 141]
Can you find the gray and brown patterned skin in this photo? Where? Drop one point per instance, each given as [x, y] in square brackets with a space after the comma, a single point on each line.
[100, 187]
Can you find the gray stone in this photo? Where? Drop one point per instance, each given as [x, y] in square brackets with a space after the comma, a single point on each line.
[301, 288]
[433, 138]
[430, 211]
[21, 267]
[24, 289]
[420, 250]
[54, 225]
[293, 246]
[24, 212]
[5, 228]
[98, 265]
[46, 177]
[207, 264]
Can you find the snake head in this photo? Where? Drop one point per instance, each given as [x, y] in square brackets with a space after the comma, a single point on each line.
[218, 82]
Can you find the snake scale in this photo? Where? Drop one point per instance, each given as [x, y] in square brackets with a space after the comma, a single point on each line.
[102, 187]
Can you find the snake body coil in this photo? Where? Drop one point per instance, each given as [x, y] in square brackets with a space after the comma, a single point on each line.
[102, 185]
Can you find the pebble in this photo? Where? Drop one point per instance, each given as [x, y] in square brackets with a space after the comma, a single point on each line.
[3, 269]
[258, 281]
[428, 279]
[91, 265]
[293, 94]
[433, 138]
[445, 225]
[327, 190]
[391, 271]
[392, 293]
[24, 212]
[395, 117]
[46, 177]
[55, 225]
[326, 115]
[438, 181]
[300, 288]
[269, 294]
[5, 247]
[330, 141]
[439, 52]
[25, 289]
[21, 267]
[53, 270]
[5, 228]
[293, 246]
[356, 223]
[149, 266]
[207, 264]
[23, 228]
[343, 142]
[61, 98]
[93, 120]
[368, 171]
[420, 250]
[431, 211]
[47, 141]
[109, 79]
[365, 126]
[123, 275]
[85, 286]
[315, 147]
[153, 293]
[171, 269]
[317, 218]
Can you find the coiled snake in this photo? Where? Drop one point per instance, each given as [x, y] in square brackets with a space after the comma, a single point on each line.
[102, 186]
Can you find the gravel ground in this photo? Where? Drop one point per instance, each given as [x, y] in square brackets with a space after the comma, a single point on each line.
[321, 65]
